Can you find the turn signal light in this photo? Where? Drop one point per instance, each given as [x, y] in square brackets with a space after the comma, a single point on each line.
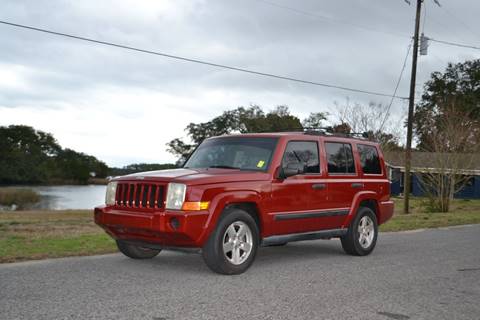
[195, 205]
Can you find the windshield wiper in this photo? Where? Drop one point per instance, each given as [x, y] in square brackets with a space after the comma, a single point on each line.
[224, 167]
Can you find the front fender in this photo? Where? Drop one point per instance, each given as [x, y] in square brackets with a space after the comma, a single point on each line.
[220, 201]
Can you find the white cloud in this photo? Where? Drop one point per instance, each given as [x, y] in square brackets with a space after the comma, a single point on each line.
[13, 77]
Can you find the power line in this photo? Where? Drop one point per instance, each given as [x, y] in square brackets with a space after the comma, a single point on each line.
[447, 28]
[396, 86]
[455, 44]
[460, 20]
[339, 21]
[334, 20]
[212, 64]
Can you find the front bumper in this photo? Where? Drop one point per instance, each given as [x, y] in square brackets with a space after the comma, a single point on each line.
[162, 229]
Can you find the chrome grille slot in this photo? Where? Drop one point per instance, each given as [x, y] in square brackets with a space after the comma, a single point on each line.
[151, 198]
[138, 191]
[131, 192]
[145, 189]
[139, 195]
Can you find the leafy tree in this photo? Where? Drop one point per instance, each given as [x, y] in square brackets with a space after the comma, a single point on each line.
[459, 85]
[277, 120]
[25, 153]
[73, 166]
[140, 167]
[450, 156]
[388, 141]
[240, 120]
[31, 156]
[315, 120]
[343, 128]
[447, 124]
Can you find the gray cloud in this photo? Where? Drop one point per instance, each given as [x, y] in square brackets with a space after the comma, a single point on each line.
[251, 34]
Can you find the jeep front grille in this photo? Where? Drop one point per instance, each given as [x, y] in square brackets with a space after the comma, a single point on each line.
[139, 195]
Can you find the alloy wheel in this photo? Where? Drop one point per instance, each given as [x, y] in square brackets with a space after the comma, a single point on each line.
[237, 242]
[366, 232]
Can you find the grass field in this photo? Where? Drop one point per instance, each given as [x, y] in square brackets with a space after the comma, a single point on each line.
[27, 235]
[462, 212]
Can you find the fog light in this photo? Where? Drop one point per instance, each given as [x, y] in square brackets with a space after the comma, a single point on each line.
[174, 223]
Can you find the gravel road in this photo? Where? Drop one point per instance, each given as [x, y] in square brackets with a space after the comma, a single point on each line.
[431, 274]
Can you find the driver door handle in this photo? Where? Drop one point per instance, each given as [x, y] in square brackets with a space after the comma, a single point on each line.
[319, 186]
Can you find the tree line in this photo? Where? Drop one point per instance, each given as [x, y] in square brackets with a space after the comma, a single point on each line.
[29, 156]
[253, 119]
[446, 124]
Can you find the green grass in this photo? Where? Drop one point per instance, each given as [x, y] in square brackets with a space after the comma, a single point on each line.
[28, 235]
[18, 196]
[462, 212]
[18, 248]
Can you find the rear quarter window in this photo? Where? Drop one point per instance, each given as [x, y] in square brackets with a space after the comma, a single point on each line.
[339, 158]
[369, 159]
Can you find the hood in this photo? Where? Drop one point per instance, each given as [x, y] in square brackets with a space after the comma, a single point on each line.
[197, 176]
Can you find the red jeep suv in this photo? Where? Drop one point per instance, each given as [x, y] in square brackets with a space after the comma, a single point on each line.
[236, 193]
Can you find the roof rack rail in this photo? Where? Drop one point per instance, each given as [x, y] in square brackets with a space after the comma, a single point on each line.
[327, 131]
[320, 131]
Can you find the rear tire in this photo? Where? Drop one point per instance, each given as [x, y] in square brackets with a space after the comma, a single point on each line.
[361, 237]
[232, 246]
[136, 252]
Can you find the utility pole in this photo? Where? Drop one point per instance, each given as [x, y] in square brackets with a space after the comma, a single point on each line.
[411, 106]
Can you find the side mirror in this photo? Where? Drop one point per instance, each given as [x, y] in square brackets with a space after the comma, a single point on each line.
[292, 169]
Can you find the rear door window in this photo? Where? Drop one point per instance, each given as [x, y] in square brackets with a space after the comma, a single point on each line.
[340, 158]
[303, 152]
[369, 159]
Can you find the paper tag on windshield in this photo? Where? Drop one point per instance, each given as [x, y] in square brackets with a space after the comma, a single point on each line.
[260, 163]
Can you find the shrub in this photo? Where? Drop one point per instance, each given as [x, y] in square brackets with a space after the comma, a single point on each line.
[18, 196]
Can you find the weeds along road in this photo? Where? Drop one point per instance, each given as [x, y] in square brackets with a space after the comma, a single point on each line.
[433, 274]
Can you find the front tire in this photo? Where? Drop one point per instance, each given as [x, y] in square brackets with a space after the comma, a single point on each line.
[136, 252]
[361, 237]
[232, 246]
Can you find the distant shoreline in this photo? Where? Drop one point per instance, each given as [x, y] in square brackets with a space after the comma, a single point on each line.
[91, 181]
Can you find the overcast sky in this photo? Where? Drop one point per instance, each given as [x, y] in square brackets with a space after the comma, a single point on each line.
[123, 106]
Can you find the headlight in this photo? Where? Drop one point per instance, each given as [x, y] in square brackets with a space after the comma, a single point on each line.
[110, 195]
[175, 196]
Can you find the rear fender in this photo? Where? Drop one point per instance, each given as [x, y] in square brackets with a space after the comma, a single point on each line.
[359, 197]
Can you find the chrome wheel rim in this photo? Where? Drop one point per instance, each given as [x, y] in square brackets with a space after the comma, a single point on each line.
[237, 243]
[366, 232]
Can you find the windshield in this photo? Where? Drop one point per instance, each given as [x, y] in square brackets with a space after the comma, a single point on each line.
[234, 153]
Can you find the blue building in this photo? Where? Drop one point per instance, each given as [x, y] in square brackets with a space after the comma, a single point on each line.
[433, 163]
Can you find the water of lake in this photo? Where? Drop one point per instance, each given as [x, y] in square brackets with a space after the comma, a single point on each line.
[69, 197]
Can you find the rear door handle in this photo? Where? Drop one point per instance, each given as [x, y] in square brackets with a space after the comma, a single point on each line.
[357, 185]
[319, 186]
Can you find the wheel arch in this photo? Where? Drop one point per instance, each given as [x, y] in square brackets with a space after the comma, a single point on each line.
[249, 201]
[250, 207]
[371, 204]
[363, 199]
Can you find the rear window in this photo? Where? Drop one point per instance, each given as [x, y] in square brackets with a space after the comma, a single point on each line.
[340, 158]
[369, 159]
